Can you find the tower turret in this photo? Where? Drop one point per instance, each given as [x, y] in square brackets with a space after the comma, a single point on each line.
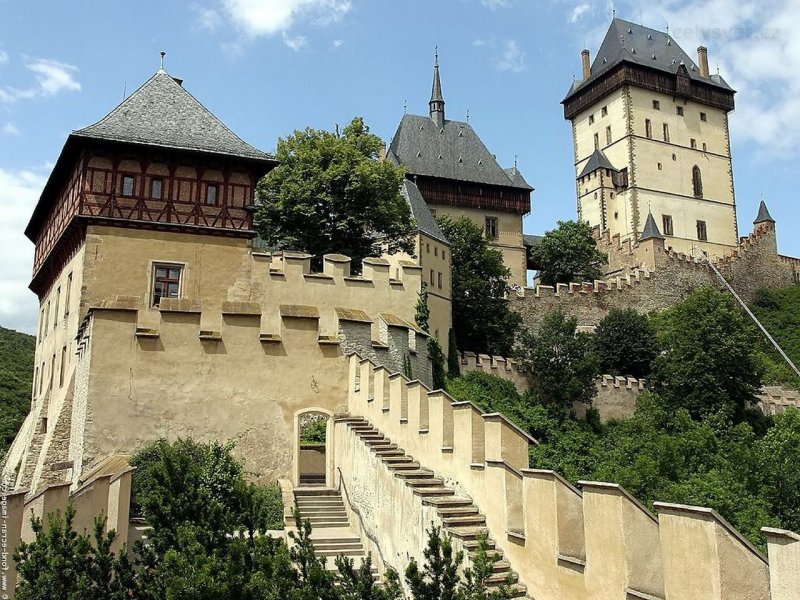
[436, 103]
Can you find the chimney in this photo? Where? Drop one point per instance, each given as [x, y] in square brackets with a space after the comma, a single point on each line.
[587, 68]
[702, 58]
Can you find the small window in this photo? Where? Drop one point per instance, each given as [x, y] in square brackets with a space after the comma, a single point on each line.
[444, 255]
[491, 228]
[427, 248]
[52, 372]
[63, 366]
[604, 111]
[666, 132]
[702, 234]
[656, 105]
[211, 194]
[433, 277]
[648, 128]
[127, 185]
[35, 380]
[666, 222]
[680, 110]
[693, 143]
[439, 280]
[704, 147]
[591, 119]
[660, 166]
[697, 182]
[674, 157]
[596, 141]
[436, 251]
[41, 378]
[156, 188]
[67, 295]
[166, 282]
[55, 311]
[608, 136]
[47, 318]
[703, 117]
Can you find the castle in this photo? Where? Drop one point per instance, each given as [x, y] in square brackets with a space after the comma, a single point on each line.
[160, 317]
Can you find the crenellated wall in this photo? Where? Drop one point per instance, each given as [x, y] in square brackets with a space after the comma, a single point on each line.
[595, 541]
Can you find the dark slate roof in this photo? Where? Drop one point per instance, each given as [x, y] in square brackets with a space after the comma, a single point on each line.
[632, 43]
[515, 175]
[650, 230]
[763, 214]
[530, 241]
[436, 89]
[421, 213]
[454, 152]
[162, 113]
[598, 160]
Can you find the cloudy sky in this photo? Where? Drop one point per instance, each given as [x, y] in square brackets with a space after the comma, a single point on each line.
[267, 67]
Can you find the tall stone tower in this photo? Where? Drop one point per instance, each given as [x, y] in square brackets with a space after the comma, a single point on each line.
[650, 133]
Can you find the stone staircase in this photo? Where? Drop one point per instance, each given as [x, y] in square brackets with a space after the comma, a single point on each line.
[330, 528]
[461, 519]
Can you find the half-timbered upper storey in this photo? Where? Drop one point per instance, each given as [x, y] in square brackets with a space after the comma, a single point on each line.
[159, 160]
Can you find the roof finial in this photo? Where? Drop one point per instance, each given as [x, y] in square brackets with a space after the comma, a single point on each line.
[436, 55]
[405, 106]
[515, 161]
[436, 104]
[467, 115]
[163, 54]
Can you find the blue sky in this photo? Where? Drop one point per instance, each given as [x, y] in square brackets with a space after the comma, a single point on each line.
[267, 67]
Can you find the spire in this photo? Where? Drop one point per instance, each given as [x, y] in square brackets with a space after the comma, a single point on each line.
[161, 69]
[436, 103]
[650, 231]
[763, 214]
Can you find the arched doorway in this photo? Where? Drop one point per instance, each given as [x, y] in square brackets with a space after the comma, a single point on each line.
[313, 452]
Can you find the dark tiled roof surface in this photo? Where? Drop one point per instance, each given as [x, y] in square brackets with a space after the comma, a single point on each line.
[763, 214]
[454, 152]
[598, 160]
[421, 213]
[162, 113]
[629, 42]
[650, 230]
[529, 241]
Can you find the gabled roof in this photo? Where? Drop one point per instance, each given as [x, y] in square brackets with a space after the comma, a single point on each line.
[598, 160]
[650, 231]
[421, 213]
[636, 44]
[453, 152]
[162, 113]
[763, 214]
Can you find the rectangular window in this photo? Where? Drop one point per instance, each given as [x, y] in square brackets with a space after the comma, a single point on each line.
[666, 222]
[211, 194]
[591, 119]
[67, 295]
[648, 128]
[436, 250]
[444, 255]
[55, 312]
[166, 282]
[703, 117]
[63, 366]
[604, 111]
[127, 185]
[702, 234]
[52, 372]
[666, 132]
[156, 188]
[656, 105]
[427, 248]
[433, 277]
[41, 324]
[47, 317]
[693, 143]
[608, 136]
[596, 141]
[680, 110]
[35, 381]
[704, 147]
[439, 278]
[491, 228]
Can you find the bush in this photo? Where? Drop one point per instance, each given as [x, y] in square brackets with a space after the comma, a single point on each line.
[625, 343]
[568, 253]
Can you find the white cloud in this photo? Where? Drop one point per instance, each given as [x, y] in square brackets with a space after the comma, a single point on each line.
[10, 129]
[495, 4]
[758, 53]
[52, 77]
[489, 40]
[296, 42]
[579, 11]
[207, 18]
[269, 17]
[3, 57]
[19, 191]
[338, 43]
[513, 58]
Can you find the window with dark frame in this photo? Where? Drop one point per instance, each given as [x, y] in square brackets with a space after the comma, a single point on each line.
[63, 366]
[648, 128]
[433, 277]
[604, 111]
[608, 135]
[680, 110]
[703, 117]
[52, 372]
[702, 233]
[666, 132]
[67, 295]
[596, 141]
[127, 185]
[211, 194]
[55, 311]
[666, 222]
[439, 279]
[591, 119]
[697, 182]
[491, 228]
[166, 282]
[656, 105]
[156, 188]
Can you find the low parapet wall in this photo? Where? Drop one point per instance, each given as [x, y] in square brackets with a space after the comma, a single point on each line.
[595, 541]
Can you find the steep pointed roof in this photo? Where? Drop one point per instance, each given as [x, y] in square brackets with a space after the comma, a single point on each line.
[421, 213]
[763, 214]
[436, 89]
[632, 43]
[598, 160]
[162, 113]
[650, 231]
[517, 178]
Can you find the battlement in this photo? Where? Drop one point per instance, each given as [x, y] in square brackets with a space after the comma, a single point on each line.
[588, 541]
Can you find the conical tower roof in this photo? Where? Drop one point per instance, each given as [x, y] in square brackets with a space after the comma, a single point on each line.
[650, 231]
[763, 214]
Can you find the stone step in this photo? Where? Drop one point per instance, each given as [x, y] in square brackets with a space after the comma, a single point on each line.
[372, 443]
[388, 452]
[464, 520]
[448, 501]
[347, 419]
[351, 552]
[403, 466]
[338, 548]
[414, 474]
[518, 590]
[470, 545]
[426, 482]
[315, 491]
[457, 511]
[316, 514]
[433, 491]
[314, 502]
[468, 532]
[501, 566]
[500, 578]
[319, 523]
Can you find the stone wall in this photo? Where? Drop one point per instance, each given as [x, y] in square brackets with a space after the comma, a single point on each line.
[590, 542]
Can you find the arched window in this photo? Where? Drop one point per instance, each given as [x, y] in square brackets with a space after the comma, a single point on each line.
[697, 182]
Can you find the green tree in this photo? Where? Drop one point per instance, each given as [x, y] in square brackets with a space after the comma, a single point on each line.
[779, 463]
[625, 343]
[438, 579]
[436, 356]
[568, 253]
[331, 193]
[708, 360]
[482, 318]
[358, 583]
[314, 431]
[16, 375]
[561, 362]
[475, 585]
[422, 312]
[453, 356]
[779, 312]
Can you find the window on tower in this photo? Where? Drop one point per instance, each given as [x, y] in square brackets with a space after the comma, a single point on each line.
[604, 111]
[656, 105]
[591, 119]
[666, 222]
[703, 117]
[211, 194]
[680, 110]
[127, 185]
[666, 132]
[491, 228]
[596, 141]
[648, 128]
[702, 233]
[156, 188]
[697, 182]
[693, 143]
[166, 282]
[608, 135]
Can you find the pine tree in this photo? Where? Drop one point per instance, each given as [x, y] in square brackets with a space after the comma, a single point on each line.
[439, 580]
[453, 357]
[423, 313]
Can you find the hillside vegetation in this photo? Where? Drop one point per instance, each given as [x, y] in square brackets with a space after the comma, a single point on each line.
[779, 312]
[16, 375]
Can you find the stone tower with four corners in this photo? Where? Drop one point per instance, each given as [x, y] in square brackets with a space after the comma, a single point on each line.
[650, 133]
[457, 176]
